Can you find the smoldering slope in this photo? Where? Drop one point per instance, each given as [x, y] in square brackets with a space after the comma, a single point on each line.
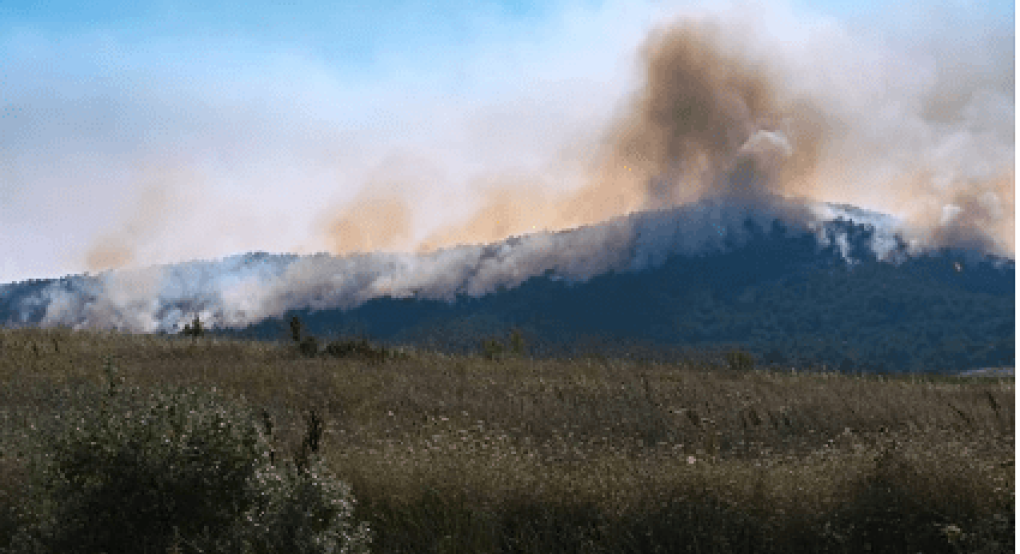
[719, 132]
[244, 289]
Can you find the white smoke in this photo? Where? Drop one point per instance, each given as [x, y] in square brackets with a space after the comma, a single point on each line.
[245, 289]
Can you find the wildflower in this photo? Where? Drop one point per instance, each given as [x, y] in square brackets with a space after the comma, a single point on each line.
[691, 460]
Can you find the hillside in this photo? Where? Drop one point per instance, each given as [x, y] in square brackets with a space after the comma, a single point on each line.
[784, 298]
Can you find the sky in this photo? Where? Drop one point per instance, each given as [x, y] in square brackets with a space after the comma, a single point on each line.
[140, 133]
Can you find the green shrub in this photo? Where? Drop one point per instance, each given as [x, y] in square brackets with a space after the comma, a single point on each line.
[193, 329]
[309, 346]
[517, 346]
[738, 360]
[180, 470]
[350, 347]
[362, 348]
[492, 349]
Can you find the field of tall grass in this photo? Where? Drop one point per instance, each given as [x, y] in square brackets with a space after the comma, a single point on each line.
[472, 454]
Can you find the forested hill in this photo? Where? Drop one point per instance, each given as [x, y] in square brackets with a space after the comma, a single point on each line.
[788, 298]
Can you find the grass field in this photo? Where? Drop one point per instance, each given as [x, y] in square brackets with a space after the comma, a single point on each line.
[467, 454]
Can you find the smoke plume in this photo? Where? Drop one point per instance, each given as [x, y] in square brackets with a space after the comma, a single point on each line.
[708, 122]
[925, 134]
[167, 193]
[370, 224]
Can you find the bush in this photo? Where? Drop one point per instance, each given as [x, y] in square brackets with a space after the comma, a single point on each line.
[350, 347]
[362, 348]
[517, 345]
[193, 329]
[738, 360]
[492, 349]
[176, 470]
[309, 346]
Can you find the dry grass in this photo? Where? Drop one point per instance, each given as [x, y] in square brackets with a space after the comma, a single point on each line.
[464, 454]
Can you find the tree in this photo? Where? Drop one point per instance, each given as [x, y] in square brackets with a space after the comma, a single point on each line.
[295, 329]
[517, 342]
[194, 329]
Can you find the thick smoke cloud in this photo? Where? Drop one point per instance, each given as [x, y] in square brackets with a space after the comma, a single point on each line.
[920, 121]
[917, 132]
[975, 214]
[699, 109]
[709, 121]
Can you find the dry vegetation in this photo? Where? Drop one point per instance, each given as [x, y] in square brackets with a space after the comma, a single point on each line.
[466, 454]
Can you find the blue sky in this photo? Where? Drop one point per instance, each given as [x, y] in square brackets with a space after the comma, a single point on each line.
[348, 35]
[176, 130]
[354, 35]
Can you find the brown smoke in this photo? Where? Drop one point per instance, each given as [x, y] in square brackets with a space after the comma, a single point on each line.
[972, 214]
[370, 223]
[524, 205]
[698, 107]
[163, 188]
[507, 210]
[108, 253]
[709, 121]
[713, 120]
